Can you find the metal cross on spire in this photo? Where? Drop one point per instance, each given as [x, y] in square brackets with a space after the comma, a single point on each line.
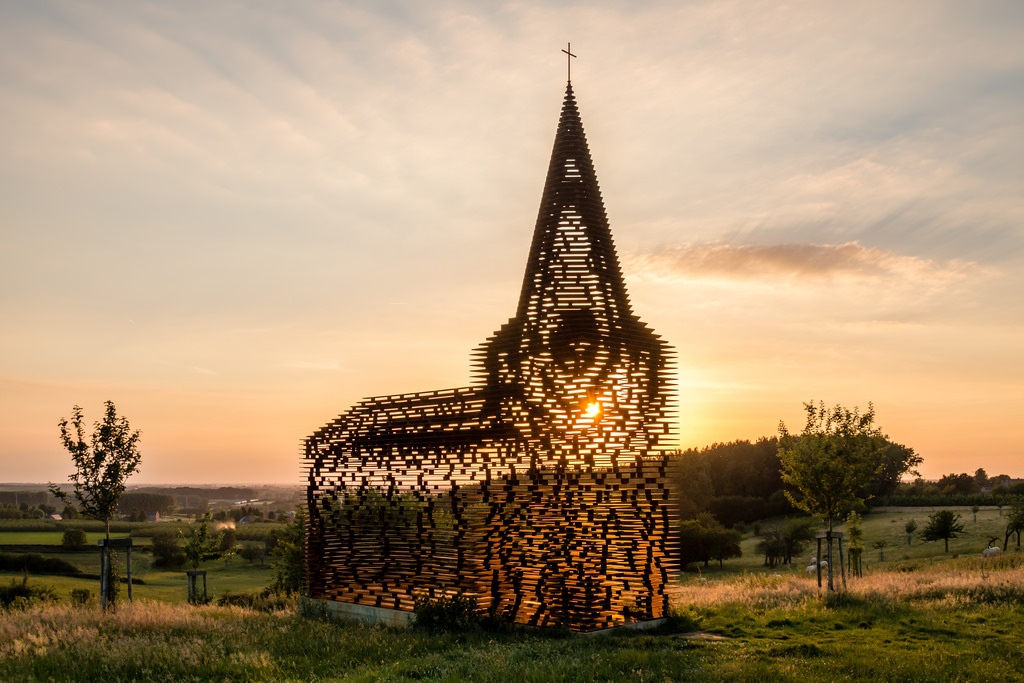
[568, 61]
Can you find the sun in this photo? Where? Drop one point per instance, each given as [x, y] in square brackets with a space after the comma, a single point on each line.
[593, 410]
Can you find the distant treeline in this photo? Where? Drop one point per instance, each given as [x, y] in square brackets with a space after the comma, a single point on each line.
[140, 504]
[145, 503]
[30, 498]
[942, 500]
[963, 486]
[741, 482]
[737, 482]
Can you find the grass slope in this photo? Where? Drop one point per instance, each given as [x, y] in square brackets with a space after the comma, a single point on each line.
[962, 620]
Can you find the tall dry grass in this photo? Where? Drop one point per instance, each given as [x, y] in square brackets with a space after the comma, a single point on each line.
[49, 626]
[963, 581]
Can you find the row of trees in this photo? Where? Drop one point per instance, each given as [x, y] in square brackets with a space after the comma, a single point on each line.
[146, 503]
[957, 489]
[38, 511]
[253, 513]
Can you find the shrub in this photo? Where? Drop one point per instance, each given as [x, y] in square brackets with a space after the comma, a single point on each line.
[166, 551]
[73, 538]
[254, 532]
[454, 613]
[36, 564]
[682, 621]
[22, 594]
[289, 546]
[732, 510]
[81, 597]
[703, 539]
[939, 500]
[151, 529]
[253, 552]
[266, 600]
[782, 543]
[313, 610]
[228, 540]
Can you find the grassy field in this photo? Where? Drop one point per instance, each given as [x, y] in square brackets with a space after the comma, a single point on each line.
[161, 585]
[887, 524]
[959, 620]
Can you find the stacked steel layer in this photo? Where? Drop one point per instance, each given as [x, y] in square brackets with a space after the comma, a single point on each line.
[540, 492]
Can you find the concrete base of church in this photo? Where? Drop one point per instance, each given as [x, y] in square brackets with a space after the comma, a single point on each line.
[369, 615]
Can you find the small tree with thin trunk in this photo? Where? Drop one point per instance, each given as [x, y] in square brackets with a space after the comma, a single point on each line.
[102, 466]
[855, 532]
[200, 545]
[910, 527]
[832, 462]
[944, 525]
[228, 545]
[1015, 523]
[290, 569]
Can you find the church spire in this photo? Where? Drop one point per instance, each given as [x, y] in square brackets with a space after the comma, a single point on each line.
[572, 262]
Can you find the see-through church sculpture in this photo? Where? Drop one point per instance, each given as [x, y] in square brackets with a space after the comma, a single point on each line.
[540, 492]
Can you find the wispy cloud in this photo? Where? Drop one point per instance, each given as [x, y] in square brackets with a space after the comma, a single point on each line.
[797, 261]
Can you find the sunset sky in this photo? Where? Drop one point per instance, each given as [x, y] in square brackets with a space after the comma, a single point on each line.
[236, 219]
